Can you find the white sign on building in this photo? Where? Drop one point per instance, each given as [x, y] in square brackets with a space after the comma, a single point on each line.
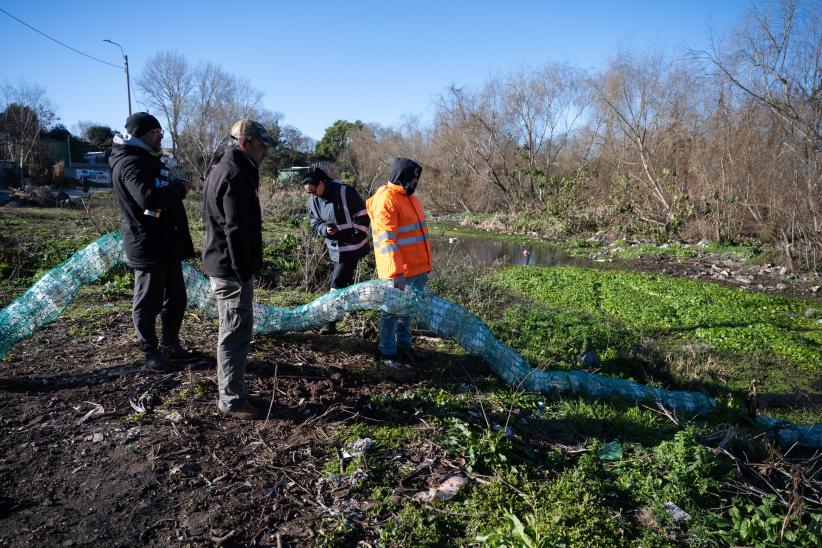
[94, 175]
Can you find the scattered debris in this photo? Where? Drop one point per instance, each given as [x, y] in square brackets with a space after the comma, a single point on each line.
[361, 445]
[331, 479]
[95, 411]
[446, 490]
[188, 469]
[143, 403]
[676, 512]
[356, 477]
[133, 433]
[611, 451]
[173, 416]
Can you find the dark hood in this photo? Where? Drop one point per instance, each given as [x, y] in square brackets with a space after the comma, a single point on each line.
[403, 172]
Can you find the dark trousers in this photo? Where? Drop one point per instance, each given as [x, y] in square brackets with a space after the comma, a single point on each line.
[159, 291]
[343, 274]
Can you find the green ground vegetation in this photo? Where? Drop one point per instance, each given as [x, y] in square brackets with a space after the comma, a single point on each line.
[577, 491]
[738, 335]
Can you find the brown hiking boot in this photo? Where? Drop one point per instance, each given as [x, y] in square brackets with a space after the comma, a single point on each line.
[245, 412]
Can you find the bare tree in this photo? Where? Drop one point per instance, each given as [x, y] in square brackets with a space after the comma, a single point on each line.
[650, 101]
[218, 100]
[167, 85]
[507, 137]
[469, 128]
[26, 112]
[367, 156]
[775, 59]
[543, 108]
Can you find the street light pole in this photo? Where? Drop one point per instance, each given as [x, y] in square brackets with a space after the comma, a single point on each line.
[125, 62]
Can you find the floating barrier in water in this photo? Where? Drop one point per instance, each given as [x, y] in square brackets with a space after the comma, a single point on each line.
[46, 300]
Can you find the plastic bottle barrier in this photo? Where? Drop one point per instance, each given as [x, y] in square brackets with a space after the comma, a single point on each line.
[45, 301]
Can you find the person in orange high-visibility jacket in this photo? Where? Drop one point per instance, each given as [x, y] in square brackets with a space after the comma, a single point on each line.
[402, 251]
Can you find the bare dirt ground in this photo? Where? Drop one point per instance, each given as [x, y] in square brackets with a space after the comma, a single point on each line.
[181, 474]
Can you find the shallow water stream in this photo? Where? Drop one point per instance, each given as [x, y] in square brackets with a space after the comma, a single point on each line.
[479, 251]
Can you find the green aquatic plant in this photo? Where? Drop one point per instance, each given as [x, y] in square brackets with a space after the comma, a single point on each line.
[736, 323]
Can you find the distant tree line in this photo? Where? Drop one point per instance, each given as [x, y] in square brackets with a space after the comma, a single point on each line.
[721, 143]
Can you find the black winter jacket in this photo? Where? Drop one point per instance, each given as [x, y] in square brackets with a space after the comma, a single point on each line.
[231, 214]
[342, 206]
[141, 184]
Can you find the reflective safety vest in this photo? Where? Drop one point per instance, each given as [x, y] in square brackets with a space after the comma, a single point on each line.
[400, 233]
[341, 206]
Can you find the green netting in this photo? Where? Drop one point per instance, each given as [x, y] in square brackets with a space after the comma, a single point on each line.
[47, 298]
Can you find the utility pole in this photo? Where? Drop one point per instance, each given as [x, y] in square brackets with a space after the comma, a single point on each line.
[125, 62]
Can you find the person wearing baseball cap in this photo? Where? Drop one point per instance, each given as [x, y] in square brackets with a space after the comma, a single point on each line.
[155, 237]
[248, 129]
[233, 256]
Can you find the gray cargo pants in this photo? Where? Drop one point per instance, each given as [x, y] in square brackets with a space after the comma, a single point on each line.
[235, 307]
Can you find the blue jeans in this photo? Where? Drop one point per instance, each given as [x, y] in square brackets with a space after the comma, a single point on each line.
[396, 330]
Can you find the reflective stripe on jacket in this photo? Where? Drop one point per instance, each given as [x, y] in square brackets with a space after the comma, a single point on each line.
[400, 233]
[341, 206]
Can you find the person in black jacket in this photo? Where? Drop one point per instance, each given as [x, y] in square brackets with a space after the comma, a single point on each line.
[233, 256]
[155, 237]
[337, 213]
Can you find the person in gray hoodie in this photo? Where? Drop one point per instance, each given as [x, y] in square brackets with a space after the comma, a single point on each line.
[155, 237]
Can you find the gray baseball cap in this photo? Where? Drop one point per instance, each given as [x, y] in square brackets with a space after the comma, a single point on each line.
[249, 129]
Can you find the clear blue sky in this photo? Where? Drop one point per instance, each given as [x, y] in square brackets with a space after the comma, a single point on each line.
[319, 61]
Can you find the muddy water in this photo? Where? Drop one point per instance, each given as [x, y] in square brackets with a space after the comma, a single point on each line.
[478, 251]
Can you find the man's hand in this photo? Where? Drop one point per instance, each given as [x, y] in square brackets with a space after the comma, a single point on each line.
[331, 230]
[399, 282]
[188, 185]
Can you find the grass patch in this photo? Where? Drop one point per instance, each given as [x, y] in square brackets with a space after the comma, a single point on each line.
[735, 323]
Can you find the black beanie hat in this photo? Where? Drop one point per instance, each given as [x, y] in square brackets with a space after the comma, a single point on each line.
[315, 177]
[140, 123]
